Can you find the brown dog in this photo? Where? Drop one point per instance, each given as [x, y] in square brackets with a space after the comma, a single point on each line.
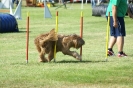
[45, 44]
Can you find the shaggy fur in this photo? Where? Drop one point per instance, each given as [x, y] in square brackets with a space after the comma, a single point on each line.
[45, 45]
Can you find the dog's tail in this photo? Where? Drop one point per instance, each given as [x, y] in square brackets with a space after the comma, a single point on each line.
[37, 45]
[52, 36]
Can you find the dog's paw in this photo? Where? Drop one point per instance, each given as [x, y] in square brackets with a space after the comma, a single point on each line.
[77, 56]
[40, 60]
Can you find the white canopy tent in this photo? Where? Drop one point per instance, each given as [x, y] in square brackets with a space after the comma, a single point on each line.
[9, 5]
[5, 3]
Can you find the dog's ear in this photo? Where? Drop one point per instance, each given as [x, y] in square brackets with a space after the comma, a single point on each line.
[75, 42]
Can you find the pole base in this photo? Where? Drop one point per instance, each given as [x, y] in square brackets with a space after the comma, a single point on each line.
[27, 61]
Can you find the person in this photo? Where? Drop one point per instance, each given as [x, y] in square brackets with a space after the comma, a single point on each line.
[93, 3]
[100, 2]
[15, 1]
[52, 2]
[117, 10]
[60, 2]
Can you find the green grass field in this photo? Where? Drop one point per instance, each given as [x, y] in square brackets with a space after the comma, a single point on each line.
[66, 72]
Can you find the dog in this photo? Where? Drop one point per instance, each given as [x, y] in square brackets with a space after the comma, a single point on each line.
[45, 44]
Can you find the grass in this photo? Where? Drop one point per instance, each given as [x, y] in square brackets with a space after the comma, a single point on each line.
[66, 72]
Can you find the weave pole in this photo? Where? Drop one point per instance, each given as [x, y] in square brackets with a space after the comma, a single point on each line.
[56, 30]
[107, 36]
[27, 37]
[81, 32]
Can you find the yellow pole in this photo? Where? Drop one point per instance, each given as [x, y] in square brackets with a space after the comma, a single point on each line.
[56, 22]
[107, 36]
[56, 30]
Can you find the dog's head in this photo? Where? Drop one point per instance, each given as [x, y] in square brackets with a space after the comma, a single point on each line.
[74, 41]
[78, 41]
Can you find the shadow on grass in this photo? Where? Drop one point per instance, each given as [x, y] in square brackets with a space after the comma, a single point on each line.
[23, 31]
[79, 61]
[14, 32]
[64, 61]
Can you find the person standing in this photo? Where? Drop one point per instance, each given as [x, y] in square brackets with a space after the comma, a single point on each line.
[117, 10]
[15, 1]
[93, 3]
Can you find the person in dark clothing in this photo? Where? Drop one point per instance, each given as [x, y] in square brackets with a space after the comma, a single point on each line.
[15, 1]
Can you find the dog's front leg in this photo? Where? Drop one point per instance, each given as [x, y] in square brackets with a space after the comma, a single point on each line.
[77, 55]
[51, 55]
[72, 53]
